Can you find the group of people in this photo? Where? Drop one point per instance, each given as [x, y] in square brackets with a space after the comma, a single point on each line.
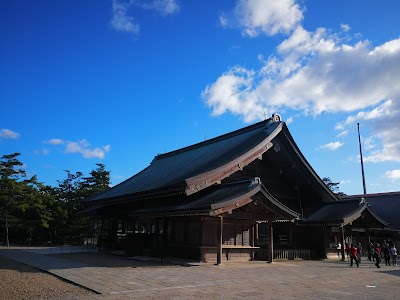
[376, 253]
[355, 252]
[387, 251]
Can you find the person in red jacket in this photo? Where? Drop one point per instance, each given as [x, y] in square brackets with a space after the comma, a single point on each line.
[377, 254]
[353, 255]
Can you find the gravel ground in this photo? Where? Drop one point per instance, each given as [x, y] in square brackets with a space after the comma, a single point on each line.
[19, 282]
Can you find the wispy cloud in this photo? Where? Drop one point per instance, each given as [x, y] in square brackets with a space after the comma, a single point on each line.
[123, 21]
[43, 151]
[345, 181]
[343, 133]
[269, 17]
[384, 125]
[82, 147]
[8, 134]
[393, 174]
[55, 141]
[164, 7]
[331, 146]
[345, 27]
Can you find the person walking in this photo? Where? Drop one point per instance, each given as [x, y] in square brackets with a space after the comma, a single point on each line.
[347, 248]
[339, 249]
[386, 253]
[371, 252]
[353, 255]
[393, 254]
[377, 255]
[359, 252]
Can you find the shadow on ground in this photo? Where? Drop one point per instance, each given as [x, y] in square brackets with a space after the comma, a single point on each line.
[393, 272]
[111, 260]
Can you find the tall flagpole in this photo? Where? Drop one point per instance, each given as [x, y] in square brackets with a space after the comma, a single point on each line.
[361, 157]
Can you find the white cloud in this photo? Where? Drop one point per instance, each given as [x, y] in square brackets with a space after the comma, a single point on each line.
[313, 73]
[393, 174]
[82, 147]
[345, 182]
[55, 142]
[123, 21]
[263, 16]
[369, 143]
[8, 134]
[345, 27]
[164, 7]
[383, 122]
[389, 152]
[331, 146]
[343, 133]
[386, 109]
[223, 20]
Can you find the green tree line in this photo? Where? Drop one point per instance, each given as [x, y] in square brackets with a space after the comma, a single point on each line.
[32, 213]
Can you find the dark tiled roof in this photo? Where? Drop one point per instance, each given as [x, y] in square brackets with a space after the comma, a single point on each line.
[206, 200]
[171, 169]
[385, 205]
[222, 196]
[343, 213]
[336, 212]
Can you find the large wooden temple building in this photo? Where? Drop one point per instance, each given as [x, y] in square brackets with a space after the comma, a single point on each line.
[248, 194]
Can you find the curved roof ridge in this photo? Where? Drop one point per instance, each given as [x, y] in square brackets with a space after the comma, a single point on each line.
[371, 195]
[216, 139]
[382, 221]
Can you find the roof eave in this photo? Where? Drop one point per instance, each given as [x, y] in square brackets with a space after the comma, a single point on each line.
[204, 180]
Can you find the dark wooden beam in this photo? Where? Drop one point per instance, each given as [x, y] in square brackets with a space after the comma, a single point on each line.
[220, 234]
[270, 234]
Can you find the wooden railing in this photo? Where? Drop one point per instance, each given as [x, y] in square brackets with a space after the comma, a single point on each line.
[291, 254]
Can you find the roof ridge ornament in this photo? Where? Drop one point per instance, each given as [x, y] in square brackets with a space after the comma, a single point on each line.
[255, 181]
[275, 118]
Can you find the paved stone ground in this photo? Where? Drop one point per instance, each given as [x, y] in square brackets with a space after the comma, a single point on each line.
[123, 278]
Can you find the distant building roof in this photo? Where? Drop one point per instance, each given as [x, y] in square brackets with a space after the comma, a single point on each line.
[385, 205]
[342, 213]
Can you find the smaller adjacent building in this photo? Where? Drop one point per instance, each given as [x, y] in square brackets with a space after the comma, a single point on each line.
[346, 222]
[387, 207]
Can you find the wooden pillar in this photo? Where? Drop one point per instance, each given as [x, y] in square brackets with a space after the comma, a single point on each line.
[343, 243]
[100, 239]
[256, 234]
[201, 240]
[220, 234]
[164, 237]
[270, 234]
[252, 239]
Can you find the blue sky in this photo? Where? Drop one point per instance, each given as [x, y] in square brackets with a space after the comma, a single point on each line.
[117, 82]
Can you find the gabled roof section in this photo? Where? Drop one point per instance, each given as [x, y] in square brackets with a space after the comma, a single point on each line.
[223, 199]
[342, 213]
[385, 205]
[320, 187]
[182, 169]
